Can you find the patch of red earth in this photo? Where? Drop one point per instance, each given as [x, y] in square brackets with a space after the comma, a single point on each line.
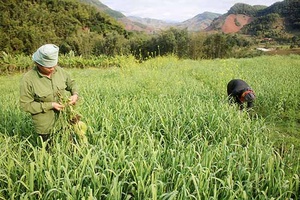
[234, 23]
[130, 26]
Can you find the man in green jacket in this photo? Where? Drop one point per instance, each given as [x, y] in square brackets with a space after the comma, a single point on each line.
[42, 89]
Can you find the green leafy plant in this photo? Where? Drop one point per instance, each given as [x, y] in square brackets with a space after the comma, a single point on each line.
[70, 121]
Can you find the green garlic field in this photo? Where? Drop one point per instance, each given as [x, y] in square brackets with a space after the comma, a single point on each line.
[162, 129]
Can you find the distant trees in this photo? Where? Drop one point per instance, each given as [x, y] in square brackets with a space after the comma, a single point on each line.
[263, 26]
[195, 50]
[188, 45]
[215, 46]
[172, 41]
[292, 13]
[113, 44]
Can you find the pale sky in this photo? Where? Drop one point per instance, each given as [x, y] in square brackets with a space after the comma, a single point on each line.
[176, 10]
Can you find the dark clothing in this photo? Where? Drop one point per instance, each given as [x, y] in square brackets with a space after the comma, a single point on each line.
[44, 137]
[239, 92]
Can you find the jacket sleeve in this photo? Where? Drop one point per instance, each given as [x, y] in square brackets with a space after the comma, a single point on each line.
[71, 85]
[27, 102]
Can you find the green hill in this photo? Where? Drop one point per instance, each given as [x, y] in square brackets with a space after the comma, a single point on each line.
[276, 20]
[102, 7]
[288, 9]
[25, 25]
[242, 8]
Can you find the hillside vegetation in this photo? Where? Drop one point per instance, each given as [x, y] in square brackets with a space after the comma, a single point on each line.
[278, 21]
[102, 7]
[245, 9]
[288, 9]
[27, 24]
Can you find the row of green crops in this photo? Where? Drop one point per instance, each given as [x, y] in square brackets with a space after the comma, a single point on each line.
[161, 130]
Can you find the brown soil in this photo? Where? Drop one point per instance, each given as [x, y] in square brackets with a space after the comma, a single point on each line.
[233, 23]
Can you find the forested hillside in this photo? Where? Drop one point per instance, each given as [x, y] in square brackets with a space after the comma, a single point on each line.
[276, 21]
[242, 8]
[288, 9]
[25, 25]
[113, 13]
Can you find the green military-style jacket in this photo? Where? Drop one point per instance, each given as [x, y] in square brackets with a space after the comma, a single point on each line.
[37, 92]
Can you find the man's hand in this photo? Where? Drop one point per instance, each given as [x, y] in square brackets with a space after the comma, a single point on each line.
[57, 106]
[73, 99]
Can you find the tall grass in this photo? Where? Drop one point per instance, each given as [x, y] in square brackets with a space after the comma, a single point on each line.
[21, 63]
[160, 130]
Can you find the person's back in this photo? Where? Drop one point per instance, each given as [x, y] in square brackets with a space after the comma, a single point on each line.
[236, 85]
[239, 91]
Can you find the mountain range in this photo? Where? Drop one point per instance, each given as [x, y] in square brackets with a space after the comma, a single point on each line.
[200, 22]
[132, 23]
[238, 16]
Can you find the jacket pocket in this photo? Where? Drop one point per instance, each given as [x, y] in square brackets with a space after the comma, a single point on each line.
[43, 96]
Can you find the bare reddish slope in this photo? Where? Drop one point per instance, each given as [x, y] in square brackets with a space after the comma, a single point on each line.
[233, 23]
